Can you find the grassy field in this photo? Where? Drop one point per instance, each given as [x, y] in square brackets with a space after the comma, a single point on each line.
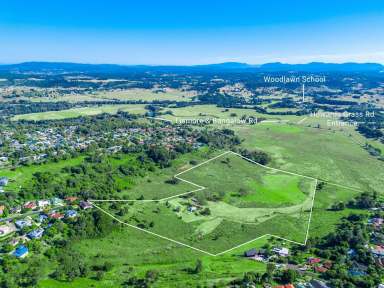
[331, 153]
[84, 111]
[154, 186]
[208, 233]
[323, 219]
[21, 176]
[147, 95]
[270, 202]
[260, 187]
[133, 253]
[322, 154]
[135, 94]
[211, 111]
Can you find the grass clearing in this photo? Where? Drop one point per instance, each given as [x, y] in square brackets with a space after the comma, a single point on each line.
[133, 253]
[83, 111]
[133, 94]
[231, 220]
[244, 184]
[328, 155]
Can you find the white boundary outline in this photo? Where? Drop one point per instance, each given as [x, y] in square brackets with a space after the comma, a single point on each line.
[202, 188]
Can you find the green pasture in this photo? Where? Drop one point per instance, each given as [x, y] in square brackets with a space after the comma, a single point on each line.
[83, 111]
[328, 155]
[245, 184]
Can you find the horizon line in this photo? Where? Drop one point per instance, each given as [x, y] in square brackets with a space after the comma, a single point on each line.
[190, 65]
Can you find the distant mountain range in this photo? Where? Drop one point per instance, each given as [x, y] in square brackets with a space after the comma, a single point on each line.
[59, 67]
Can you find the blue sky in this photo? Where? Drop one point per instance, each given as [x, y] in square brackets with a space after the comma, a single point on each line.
[191, 32]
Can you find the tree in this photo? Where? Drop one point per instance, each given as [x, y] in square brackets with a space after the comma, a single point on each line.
[288, 276]
[270, 269]
[71, 265]
[198, 267]
[249, 278]
[151, 276]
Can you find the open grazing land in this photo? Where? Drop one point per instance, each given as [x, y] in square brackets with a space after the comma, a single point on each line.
[142, 179]
[79, 112]
[238, 201]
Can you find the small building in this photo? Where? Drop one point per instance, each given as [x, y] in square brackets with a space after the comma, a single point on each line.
[313, 260]
[2, 209]
[320, 269]
[71, 214]
[376, 222]
[30, 205]
[15, 210]
[57, 202]
[23, 223]
[317, 284]
[192, 208]
[43, 203]
[71, 199]
[85, 205]
[7, 229]
[36, 234]
[3, 181]
[56, 215]
[42, 218]
[20, 252]
[377, 250]
[283, 252]
[250, 253]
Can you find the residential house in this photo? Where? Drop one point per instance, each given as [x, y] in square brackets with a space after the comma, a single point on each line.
[71, 199]
[57, 202]
[42, 218]
[313, 260]
[250, 253]
[23, 223]
[317, 284]
[7, 229]
[36, 234]
[377, 250]
[283, 252]
[20, 252]
[3, 181]
[71, 214]
[56, 215]
[320, 269]
[43, 203]
[30, 205]
[376, 222]
[85, 205]
[15, 210]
